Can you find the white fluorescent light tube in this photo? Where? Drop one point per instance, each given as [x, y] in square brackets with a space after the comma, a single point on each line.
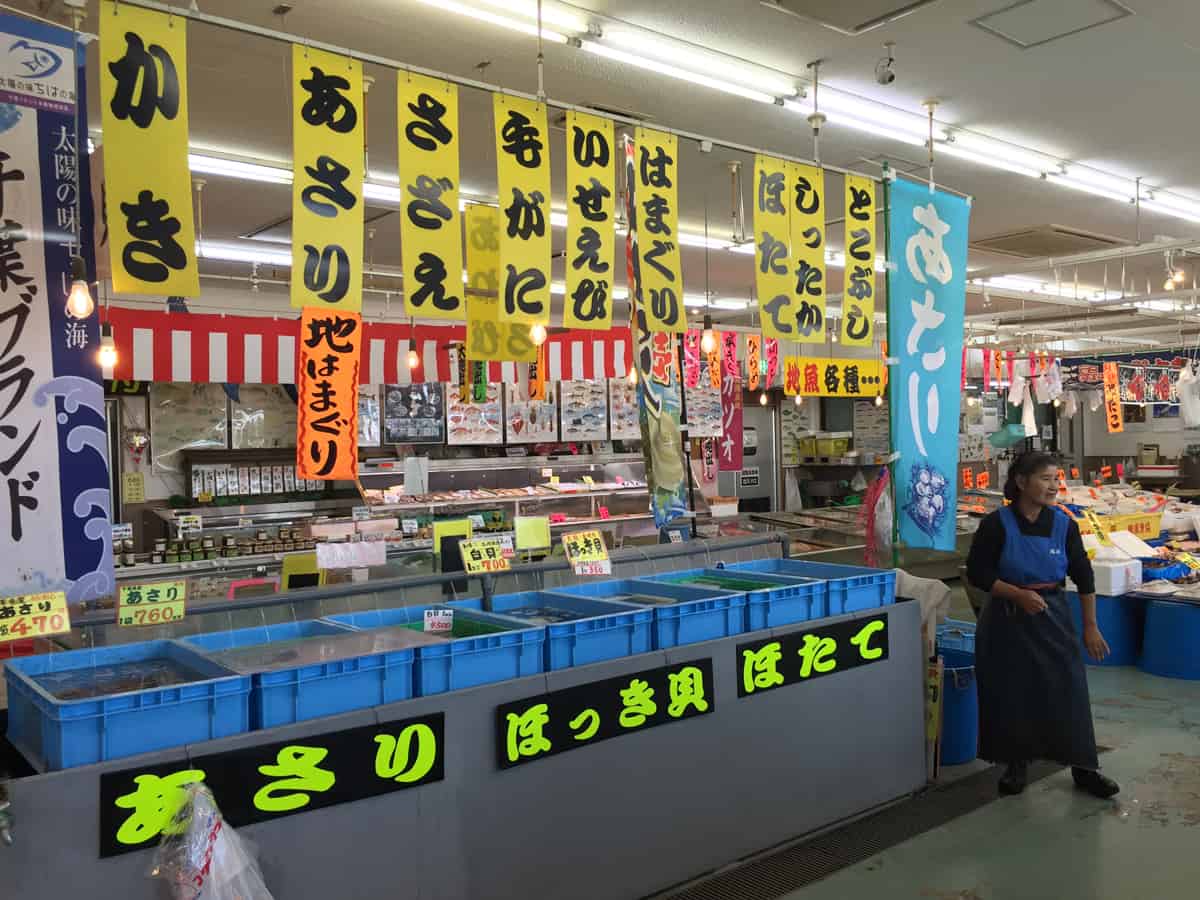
[986, 160]
[1067, 181]
[712, 64]
[1169, 201]
[492, 19]
[673, 72]
[840, 118]
[233, 168]
[1010, 153]
[1160, 207]
[878, 114]
[1111, 183]
[550, 15]
[746, 247]
[384, 192]
[694, 300]
[689, 239]
[235, 253]
[728, 304]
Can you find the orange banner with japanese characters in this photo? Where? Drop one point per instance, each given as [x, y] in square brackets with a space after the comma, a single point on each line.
[327, 395]
[1114, 416]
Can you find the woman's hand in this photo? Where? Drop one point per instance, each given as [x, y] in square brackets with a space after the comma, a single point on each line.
[1030, 601]
[1097, 646]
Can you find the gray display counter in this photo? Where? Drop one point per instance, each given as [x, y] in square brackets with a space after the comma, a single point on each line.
[620, 818]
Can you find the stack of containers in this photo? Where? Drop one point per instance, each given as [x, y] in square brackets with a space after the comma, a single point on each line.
[771, 600]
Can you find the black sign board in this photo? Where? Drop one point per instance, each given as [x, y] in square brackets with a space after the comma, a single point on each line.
[800, 656]
[546, 724]
[126, 388]
[274, 780]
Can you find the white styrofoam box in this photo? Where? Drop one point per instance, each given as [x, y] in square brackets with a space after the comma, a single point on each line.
[1114, 577]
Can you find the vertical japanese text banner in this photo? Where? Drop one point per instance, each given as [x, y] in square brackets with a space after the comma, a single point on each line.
[926, 293]
[661, 284]
[808, 251]
[772, 232]
[1114, 415]
[591, 200]
[430, 224]
[730, 455]
[488, 338]
[327, 185]
[523, 176]
[148, 185]
[327, 395]
[55, 519]
[858, 294]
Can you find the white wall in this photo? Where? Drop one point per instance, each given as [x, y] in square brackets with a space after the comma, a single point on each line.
[1169, 434]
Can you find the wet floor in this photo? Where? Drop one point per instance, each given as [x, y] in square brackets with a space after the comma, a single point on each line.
[1054, 843]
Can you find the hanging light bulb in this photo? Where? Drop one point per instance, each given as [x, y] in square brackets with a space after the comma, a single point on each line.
[1169, 284]
[80, 304]
[537, 334]
[879, 399]
[1178, 276]
[413, 359]
[1057, 403]
[799, 400]
[632, 375]
[708, 340]
[762, 399]
[108, 347]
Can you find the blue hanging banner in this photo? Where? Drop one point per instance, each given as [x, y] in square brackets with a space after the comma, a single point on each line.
[927, 241]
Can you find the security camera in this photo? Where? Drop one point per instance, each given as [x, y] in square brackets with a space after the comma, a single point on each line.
[884, 71]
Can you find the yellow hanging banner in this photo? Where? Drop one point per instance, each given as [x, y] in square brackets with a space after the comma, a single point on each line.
[807, 191]
[858, 293]
[147, 183]
[488, 338]
[792, 369]
[523, 176]
[753, 361]
[430, 225]
[327, 185]
[657, 196]
[837, 377]
[591, 195]
[772, 271]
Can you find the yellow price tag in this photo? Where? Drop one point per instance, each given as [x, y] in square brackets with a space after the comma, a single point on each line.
[483, 556]
[1188, 560]
[34, 615]
[587, 552]
[159, 603]
[588, 480]
[1097, 528]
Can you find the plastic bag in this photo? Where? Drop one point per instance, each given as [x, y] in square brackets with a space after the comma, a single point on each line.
[201, 857]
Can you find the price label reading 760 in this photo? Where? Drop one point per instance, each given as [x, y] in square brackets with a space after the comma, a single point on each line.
[151, 604]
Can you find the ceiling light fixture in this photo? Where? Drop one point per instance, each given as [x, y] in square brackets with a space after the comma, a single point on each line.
[80, 304]
[762, 398]
[108, 347]
[551, 15]
[879, 129]
[670, 71]
[674, 54]
[994, 162]
[1087, 188]
[708, 340]
[537, 334]
[414, 359]
[493, 19]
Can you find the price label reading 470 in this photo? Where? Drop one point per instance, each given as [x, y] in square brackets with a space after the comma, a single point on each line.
[483, 556]
[33, 615]
[587, 552]
[159, 603]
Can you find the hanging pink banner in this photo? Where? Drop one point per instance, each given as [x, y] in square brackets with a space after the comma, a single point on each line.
[730, 456]
[771, 352]
[691, 358]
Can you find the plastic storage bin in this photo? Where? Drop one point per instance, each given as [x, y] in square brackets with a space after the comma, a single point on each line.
[686, 615]
[495, 648]
[1171, 637]
[351, 677]
[597, 630]
[53, 733]
[771, 600]
[960, 708]
[1121, 620]
[954, 634]
[849, 588]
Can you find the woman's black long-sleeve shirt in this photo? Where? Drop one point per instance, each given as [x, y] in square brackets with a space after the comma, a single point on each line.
[983, 562]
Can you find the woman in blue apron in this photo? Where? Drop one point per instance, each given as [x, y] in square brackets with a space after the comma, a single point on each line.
[1033, 692]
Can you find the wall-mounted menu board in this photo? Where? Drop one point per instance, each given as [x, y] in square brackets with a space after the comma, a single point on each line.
[530, 421]
[414, 414]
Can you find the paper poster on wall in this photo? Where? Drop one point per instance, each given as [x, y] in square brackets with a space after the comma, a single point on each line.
[414, 414]
[473, 423]
[584, 411]
[703, 406]
[529, 421]
[623, 410]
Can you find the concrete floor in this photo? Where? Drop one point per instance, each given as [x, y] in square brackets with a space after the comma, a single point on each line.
[1054, 843]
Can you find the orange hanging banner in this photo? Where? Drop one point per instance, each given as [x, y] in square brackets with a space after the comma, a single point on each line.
[1113, 414]
[968, 479]
[327, 395]
[983, 481]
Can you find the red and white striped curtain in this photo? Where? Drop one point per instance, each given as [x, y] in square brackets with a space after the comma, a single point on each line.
[172, 346]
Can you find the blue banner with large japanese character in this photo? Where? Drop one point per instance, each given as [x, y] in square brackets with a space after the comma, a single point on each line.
[55, 501]
[927, 246]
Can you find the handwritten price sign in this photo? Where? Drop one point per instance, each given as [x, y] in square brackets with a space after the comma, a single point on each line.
[483, 556]
[587, 552]
[159, 603]
[33, 615]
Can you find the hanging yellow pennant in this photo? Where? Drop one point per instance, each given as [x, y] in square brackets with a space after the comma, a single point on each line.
[487, 337]
[591, 201]
[840, 377]
[807, 192]
[773, 270]
[657, 196]
[791, 375]
[858, 294]
[714, 361]
[327, 186]
[430, 225]
[148, 186]
[523, 175]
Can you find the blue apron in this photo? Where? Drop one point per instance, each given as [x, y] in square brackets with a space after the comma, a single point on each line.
[1033, 692]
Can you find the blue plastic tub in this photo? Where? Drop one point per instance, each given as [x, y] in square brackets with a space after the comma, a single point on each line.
[954, 634]
[600, 629]
[850, 588]
[462, 662]
[698, 614]
[315, 689]
[792, 599]
[1121, 621]
[1172, 635]
[58, 734]
[960, 708]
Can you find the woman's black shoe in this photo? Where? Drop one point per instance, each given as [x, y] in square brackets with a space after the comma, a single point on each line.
[1095, 784]
[1013, 780]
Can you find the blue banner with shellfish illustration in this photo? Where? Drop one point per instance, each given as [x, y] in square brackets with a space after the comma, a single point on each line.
[927, 250]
